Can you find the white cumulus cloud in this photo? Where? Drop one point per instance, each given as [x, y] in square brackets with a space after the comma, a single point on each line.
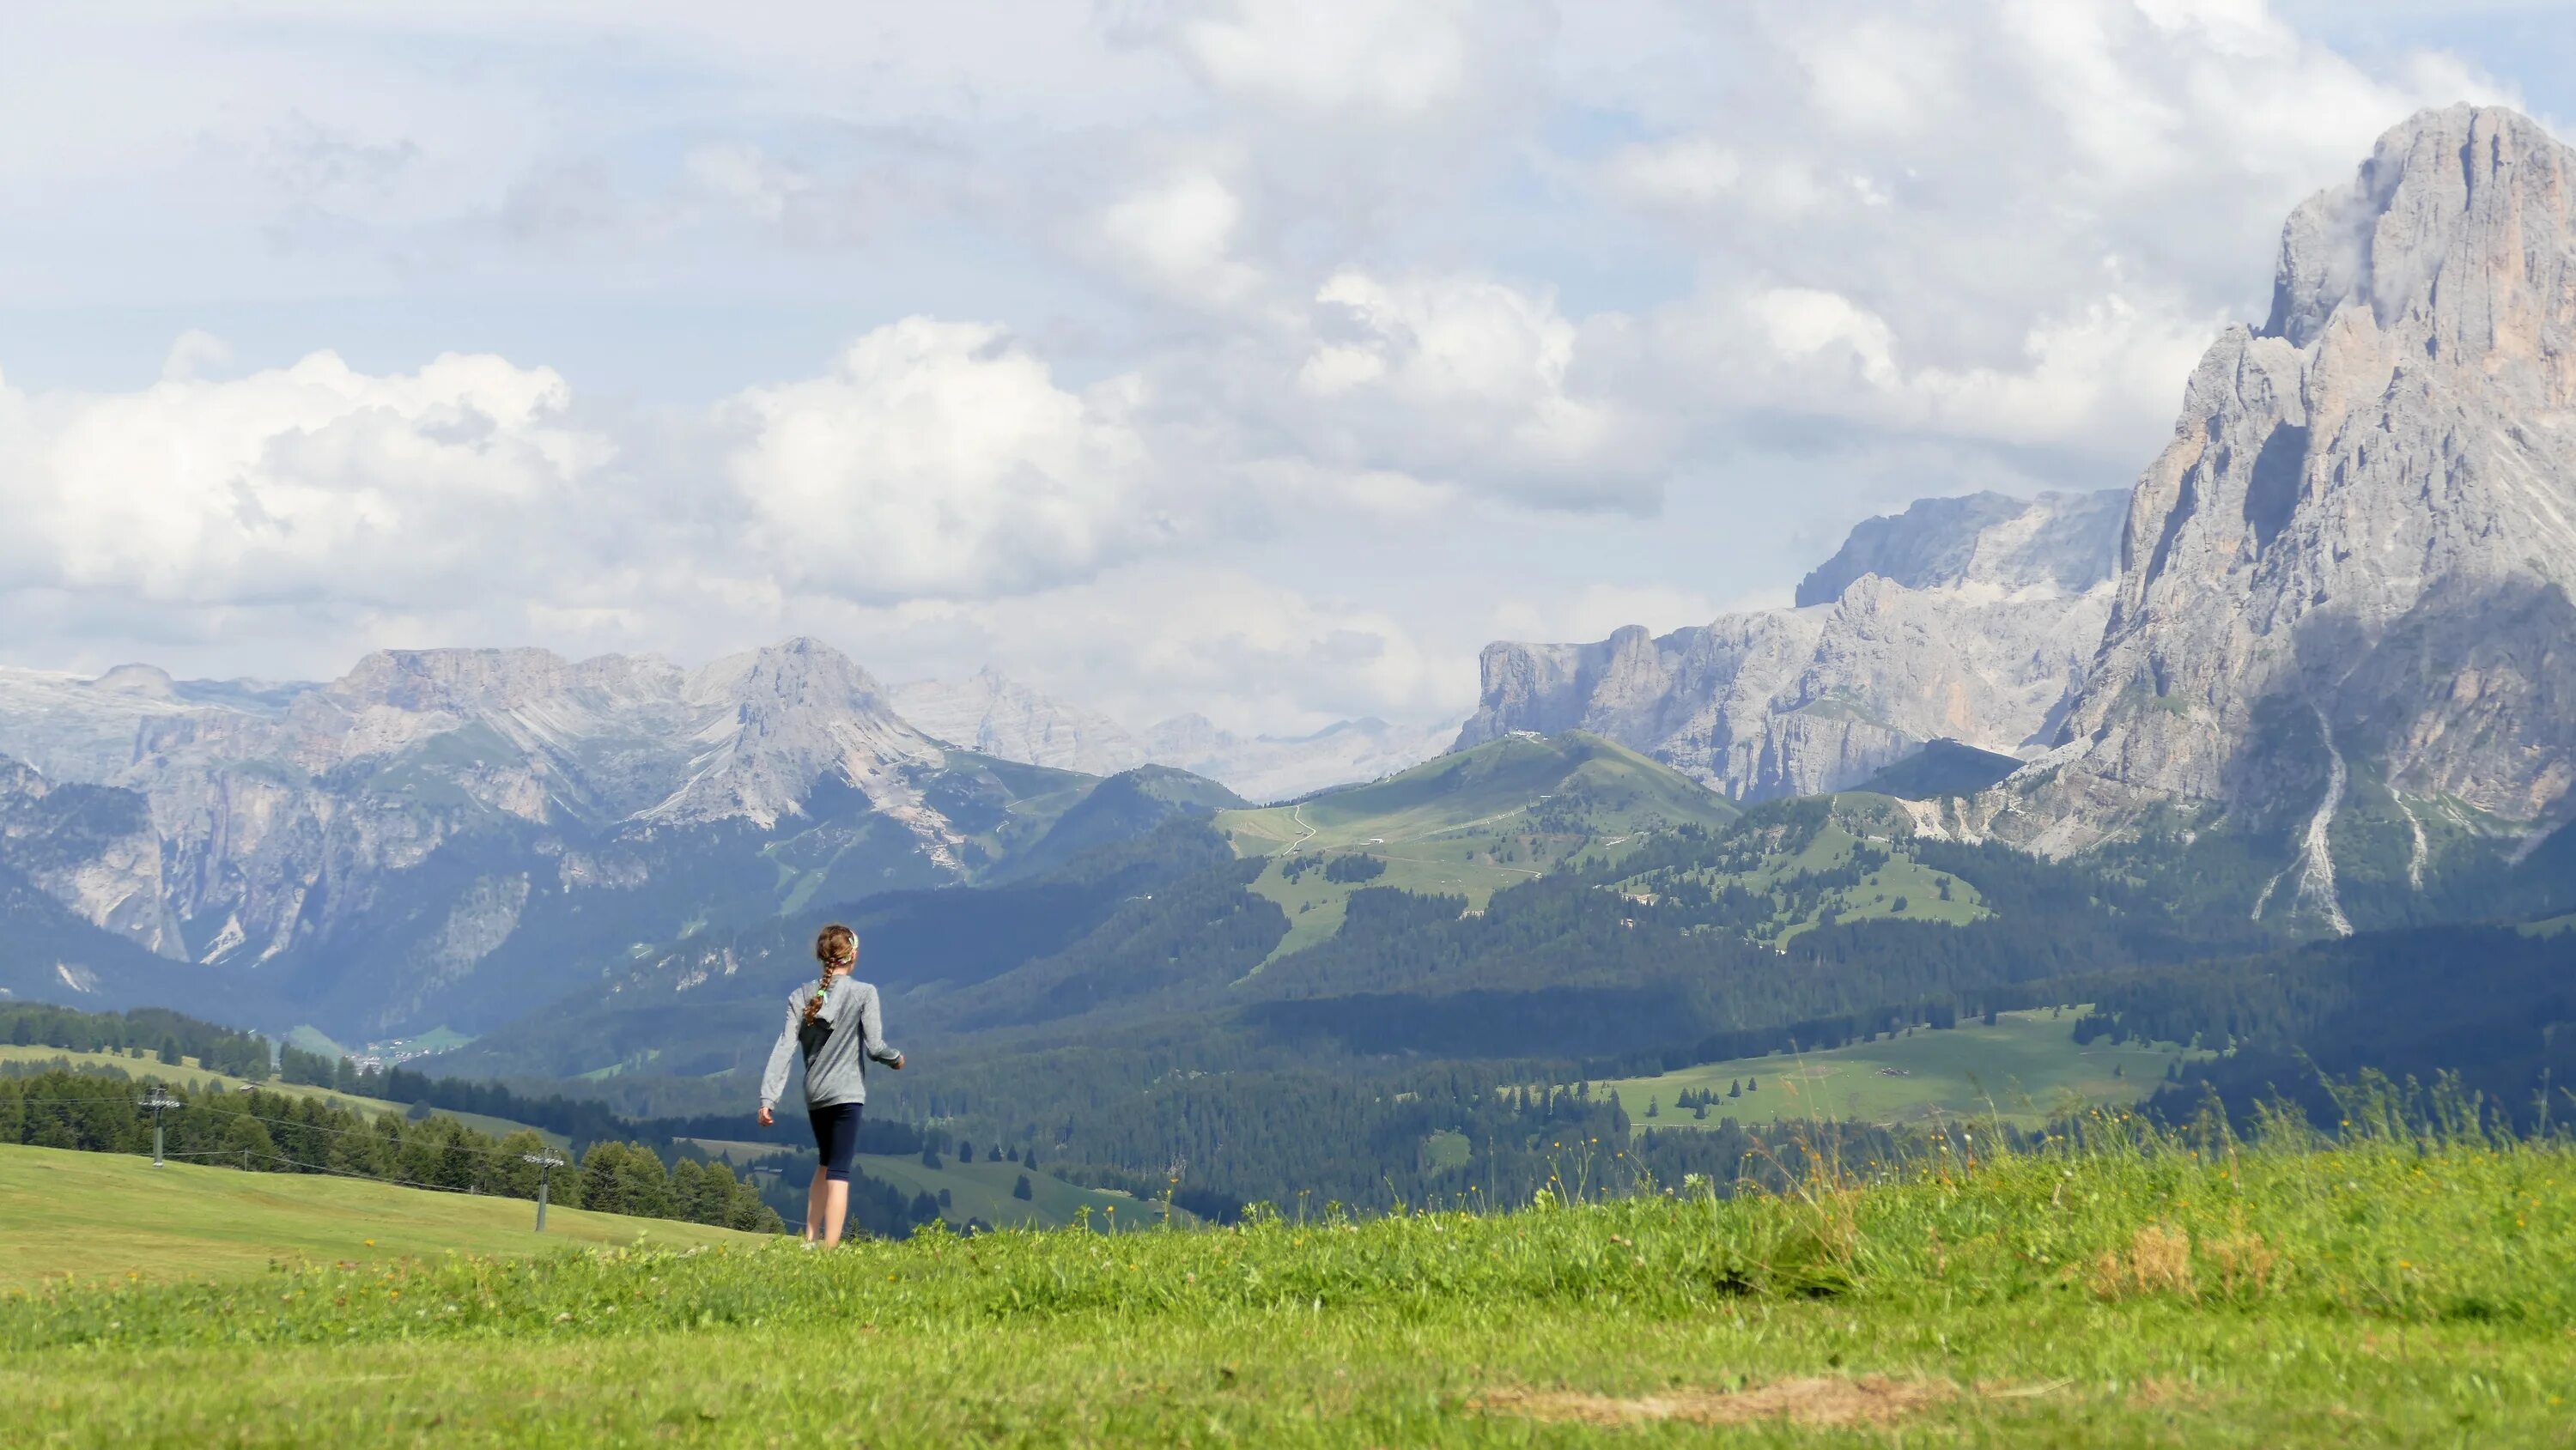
[314, 479]
[1469, 381]
[941, 459]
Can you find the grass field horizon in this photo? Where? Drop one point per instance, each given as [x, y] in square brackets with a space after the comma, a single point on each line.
[85, 1215]
[2397, 1292]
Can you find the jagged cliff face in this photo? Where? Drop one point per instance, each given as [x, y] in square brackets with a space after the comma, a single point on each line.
[1965, 618]
[90, 848]
[2346, 583]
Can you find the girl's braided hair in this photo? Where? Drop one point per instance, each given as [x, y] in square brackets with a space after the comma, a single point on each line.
[838, 946]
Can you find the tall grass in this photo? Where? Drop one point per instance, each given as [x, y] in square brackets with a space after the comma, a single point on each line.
[2416, 1209]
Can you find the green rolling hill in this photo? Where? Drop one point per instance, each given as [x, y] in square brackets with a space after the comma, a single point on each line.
[1784, 869]
[1467, 824]
[67, 1215]
[2020, 1070]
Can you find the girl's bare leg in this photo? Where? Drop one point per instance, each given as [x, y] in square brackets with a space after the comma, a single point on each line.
[836, 1210]
[814, 1200]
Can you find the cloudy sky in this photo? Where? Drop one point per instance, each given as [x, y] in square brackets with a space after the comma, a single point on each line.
[1261, 357]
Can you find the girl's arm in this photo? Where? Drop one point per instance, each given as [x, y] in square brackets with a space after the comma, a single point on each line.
[872, 1028]
[774, 1080]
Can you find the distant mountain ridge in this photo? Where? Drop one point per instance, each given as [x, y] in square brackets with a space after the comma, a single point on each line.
[1004, 718]
[489, 818]
[1966, 618]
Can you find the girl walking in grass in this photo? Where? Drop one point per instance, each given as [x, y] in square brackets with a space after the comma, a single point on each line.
[839, 1025]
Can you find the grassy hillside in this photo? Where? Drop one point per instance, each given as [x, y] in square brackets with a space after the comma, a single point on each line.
[1798, 865]
[188, 1073]
[2368, 1295]
[980, 1190]
[1574, 784]
[103, 1215]
[2021, 1070]
[1467, 824]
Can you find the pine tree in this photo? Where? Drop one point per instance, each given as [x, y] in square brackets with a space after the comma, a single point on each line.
[1653, 1108]
[1022, 1191]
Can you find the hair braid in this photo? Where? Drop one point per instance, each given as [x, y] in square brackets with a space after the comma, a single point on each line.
[837, 947]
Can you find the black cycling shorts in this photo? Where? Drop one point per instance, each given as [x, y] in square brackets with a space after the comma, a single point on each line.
[836, 1137]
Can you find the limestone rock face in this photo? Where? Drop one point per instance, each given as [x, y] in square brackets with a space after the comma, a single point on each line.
[1966, 618]
[2360, 546]
[73, 729]
[91, 848]
[1002, 718]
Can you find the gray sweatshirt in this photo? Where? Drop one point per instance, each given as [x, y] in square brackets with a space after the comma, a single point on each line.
[837, 1043]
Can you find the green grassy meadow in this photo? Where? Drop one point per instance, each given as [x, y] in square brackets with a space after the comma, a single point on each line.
[1316, 906]
[1901, 890]
[2022, 1070]
[2384, 1293]
[84, 1216]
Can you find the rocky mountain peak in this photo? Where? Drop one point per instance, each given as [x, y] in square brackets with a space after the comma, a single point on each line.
[2348, 577]
[2454, 230]
[1966, 618]
[145, 681]
[800, 673]
[2066, 542]
[462, 680]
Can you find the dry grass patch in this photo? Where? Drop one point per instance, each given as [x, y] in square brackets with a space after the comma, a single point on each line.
[2157, 1260]
[1870, 1400]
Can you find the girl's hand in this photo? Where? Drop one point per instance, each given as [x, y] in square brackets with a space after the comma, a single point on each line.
[899, 1060]
[767, 1118]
